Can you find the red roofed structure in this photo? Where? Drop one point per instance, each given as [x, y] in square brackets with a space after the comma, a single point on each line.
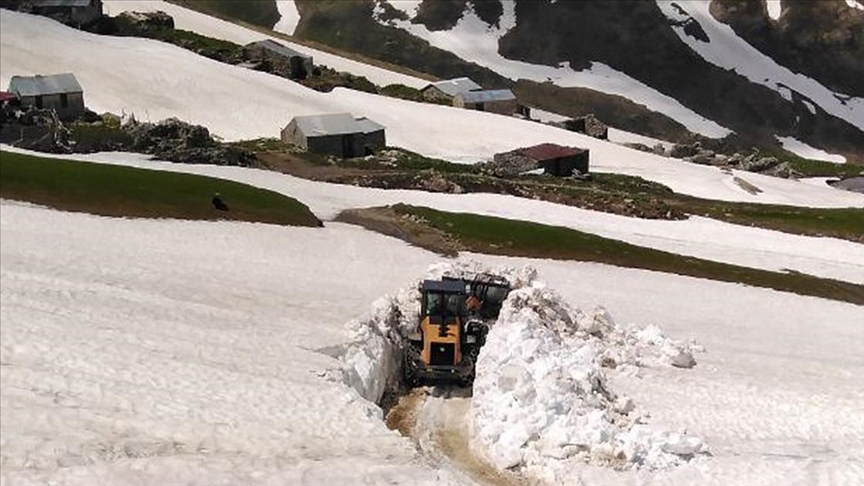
[555, 159]
[6, 96]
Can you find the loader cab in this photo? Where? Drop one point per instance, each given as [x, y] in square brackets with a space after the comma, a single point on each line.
[442, 312]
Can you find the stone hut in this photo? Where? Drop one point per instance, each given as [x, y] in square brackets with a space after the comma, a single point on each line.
[339, 134]
[286, 61]
[448, 89]
[555, 160]
[70, 12]
[59, 92]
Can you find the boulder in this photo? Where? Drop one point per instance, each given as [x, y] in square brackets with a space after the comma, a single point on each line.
[589, 125]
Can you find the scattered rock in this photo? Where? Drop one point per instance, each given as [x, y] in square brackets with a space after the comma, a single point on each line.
[589, 125]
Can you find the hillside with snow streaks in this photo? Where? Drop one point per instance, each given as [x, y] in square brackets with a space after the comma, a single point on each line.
[726, 50]
[162, 81]
[474, 40]
[698, 237]
[219, 29]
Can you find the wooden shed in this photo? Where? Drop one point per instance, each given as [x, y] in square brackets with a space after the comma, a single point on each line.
[339, 134]
[59, 92]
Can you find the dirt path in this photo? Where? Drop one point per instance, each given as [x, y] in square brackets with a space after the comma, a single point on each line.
[437, 419]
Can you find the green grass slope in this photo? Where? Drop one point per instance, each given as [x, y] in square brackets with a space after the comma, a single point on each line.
[109, 190]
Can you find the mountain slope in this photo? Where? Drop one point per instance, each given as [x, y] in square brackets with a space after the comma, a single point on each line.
[633, 38]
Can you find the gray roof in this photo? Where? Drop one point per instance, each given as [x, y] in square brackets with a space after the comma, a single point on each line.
[453, 87]
[278, 48]
[335, 124]
[487, 95]
[44, 85]
[61, 3]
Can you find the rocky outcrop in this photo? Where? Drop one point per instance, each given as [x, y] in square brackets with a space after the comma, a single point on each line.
[751, 163]
[589, 125]
[146, 21]
[182, 142]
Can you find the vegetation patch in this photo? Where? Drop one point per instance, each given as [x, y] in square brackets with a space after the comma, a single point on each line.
[258, 12]
[497, 236]
[109, 190]
[611, 193]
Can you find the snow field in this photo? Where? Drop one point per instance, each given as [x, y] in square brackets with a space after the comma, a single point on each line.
[203, 24]
[162, 81]
[166, 352]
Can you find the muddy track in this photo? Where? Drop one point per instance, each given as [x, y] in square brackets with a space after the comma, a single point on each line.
[436, 419]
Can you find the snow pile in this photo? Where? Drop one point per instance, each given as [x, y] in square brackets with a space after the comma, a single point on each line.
[371, 361]
[541, 398]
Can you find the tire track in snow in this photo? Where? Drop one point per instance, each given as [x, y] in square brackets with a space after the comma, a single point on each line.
[437, 421]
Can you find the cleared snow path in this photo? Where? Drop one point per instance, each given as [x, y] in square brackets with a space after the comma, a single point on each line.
[474, 40]
[728, 51]
[699, 237]
[160, 80]
[220, 29]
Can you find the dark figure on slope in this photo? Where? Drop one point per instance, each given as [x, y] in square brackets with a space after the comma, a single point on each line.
[218, 203]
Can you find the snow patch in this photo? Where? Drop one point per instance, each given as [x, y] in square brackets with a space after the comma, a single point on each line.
[289, 17]
[541, 395]
[774, 8]
[801, 149]
[855, 4]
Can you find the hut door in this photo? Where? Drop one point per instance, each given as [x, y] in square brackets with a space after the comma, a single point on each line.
[348, 146]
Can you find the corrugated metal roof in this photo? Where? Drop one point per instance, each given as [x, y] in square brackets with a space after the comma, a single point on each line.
[549, 151]
[453, 87]
[44, 85]
[280, 49]
[487, 95]
[61, 3]
[335, 124]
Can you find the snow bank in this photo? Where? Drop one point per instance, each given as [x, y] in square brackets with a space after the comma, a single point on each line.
[371, 360]
[541, 398]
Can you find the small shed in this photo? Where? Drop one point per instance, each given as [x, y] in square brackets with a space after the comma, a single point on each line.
[59, 92]
[501, 101]
[71, 12]
[554, 159]
[448, 89]
[290, 63]
[339, 134]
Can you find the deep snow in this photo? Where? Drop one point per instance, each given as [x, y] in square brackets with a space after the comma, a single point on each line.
[161, 81]
[801, 149]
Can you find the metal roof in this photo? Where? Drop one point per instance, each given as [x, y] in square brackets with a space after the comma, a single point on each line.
[61, 3]
[44, 85]
[335, 124]
[487, 95]
[278, 48]
[453, 87]
[448, 286]
[549, 151]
